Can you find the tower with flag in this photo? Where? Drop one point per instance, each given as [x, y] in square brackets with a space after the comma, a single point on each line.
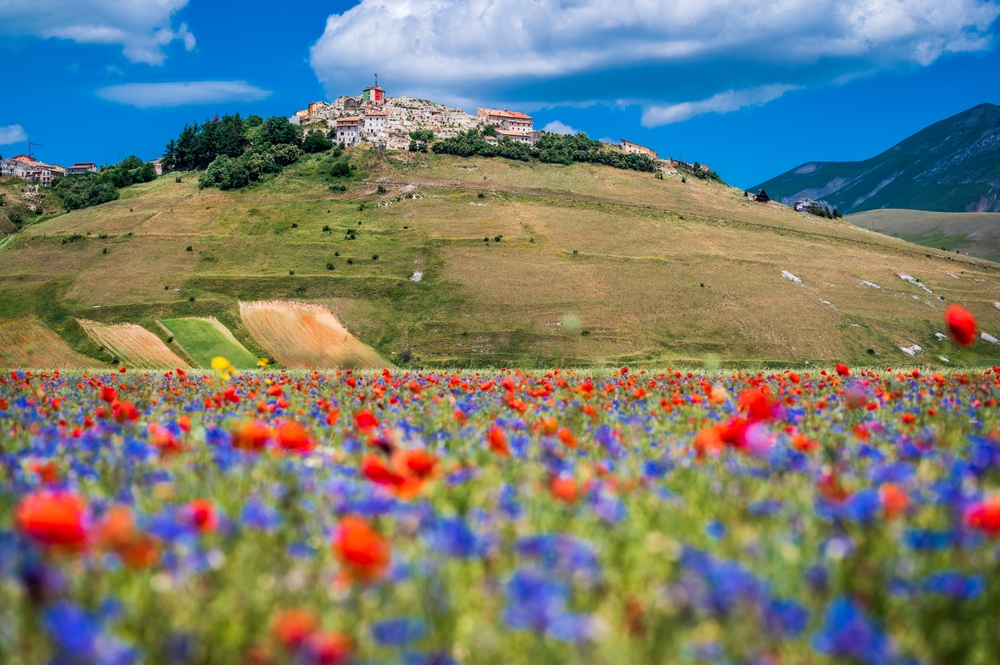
[373, 94]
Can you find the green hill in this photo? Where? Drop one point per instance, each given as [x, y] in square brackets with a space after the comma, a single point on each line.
[442, 260]
[951, 166]
[972, 233]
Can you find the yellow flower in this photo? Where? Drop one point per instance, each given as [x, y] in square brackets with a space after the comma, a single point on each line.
[220, 364]
[263, 362]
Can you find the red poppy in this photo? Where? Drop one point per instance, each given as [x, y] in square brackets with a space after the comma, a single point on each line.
[329, 648]
[52, 519]
[203, 515]
[497, 439]
[365, 420]
[843, 370]
[804, 444]
[894, 500]
[362, 550]
[758, 405]
[292, 437]
[291, 627]
[961, 325]
[118, 534]
[126, 411]
[985, 516]
[251, 436]
[564, 489]
[566, 436]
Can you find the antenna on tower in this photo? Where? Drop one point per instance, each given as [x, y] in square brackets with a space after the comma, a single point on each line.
[376, 80]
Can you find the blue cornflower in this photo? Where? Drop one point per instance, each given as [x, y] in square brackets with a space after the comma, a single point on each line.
[849, 633]
[785, 618]
[955, 584]
[535, 602]
[258, 515]
[562, 554]
[453, 537]
[398, 632]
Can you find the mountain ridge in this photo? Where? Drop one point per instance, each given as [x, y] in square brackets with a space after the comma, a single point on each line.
[952, 165]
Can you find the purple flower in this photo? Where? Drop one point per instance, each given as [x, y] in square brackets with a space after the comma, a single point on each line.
[847, 632]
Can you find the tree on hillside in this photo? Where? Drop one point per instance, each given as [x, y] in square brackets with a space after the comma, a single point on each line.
[316, 141]
[277, 130]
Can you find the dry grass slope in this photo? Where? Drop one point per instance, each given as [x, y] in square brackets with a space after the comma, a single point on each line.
[304, 336]
[583, 265]
[133, 345]
[28, 344]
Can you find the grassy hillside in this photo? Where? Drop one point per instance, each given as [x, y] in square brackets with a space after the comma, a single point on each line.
[951, 166]
[592, 265]
[976, 234]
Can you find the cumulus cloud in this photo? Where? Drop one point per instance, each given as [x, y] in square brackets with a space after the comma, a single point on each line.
[181, 93]
[141, 27]
[559, 127]
[642, 51]
[12, 134]
[723, 102]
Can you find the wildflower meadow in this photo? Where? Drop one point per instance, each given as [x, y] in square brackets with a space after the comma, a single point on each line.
[822, 515]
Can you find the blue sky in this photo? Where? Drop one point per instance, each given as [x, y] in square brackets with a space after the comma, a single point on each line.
[750, 88]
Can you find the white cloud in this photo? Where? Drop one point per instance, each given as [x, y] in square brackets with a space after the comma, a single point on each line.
[559, 127]
[141, 27]
[12, 134]
[181, 93]
[643, 50]
[723, 102]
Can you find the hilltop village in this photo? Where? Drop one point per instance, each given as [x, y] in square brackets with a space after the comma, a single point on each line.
[391, 123]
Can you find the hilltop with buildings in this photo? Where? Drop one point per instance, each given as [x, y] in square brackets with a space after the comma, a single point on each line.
[390, 123]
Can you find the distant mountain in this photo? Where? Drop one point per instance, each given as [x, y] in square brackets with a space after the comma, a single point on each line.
[951, 166]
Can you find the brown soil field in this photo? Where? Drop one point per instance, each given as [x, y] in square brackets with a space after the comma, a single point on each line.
[305, 336]
[28, 344]
[133, 345]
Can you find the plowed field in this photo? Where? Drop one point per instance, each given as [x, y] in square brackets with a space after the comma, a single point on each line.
[306, 336]
[133, 345]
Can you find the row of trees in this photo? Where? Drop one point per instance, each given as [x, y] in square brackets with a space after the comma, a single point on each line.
[90, 189]
[549, 148]
[197, 146]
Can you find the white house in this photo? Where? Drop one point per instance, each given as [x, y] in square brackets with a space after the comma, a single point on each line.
[803, 205]
[348, 131]
[375, 122]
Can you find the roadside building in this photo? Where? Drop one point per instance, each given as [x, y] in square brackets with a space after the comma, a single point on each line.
[348, 131]
[157, 166]
[762, 197]
[79, 168]
[510, 121]
[492, 140]
[803, 205]
[636, 149]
